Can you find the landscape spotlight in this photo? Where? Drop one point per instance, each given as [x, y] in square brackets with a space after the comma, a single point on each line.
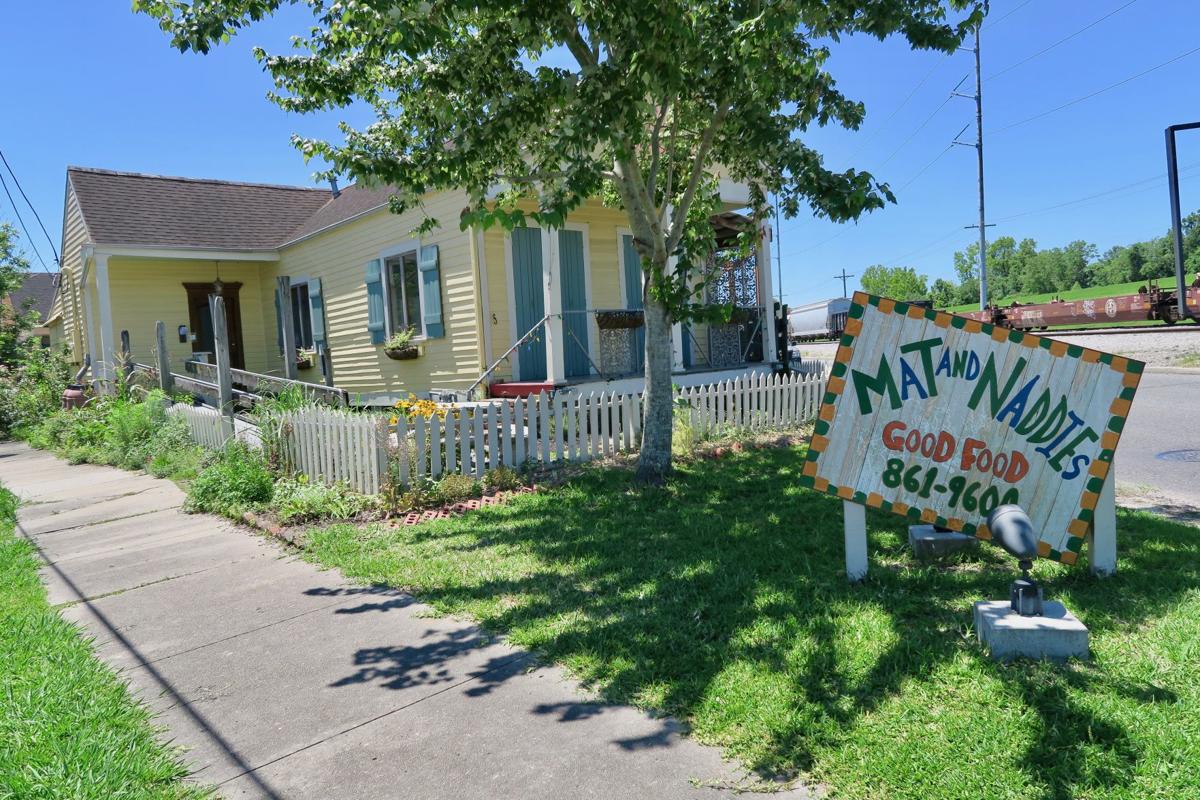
[1012, 529]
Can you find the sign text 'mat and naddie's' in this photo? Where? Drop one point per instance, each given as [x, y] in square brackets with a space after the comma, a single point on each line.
[942, 418]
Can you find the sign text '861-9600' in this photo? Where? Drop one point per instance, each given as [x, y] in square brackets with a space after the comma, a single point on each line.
[941, 419]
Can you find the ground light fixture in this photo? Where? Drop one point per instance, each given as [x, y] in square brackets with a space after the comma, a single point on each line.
[1013, 530]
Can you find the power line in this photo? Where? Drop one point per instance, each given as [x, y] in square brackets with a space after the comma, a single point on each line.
[1097, 92]
[1097, 195]
[915, 132]
[923, 169]
[998, 20]
[36, 216]
[898, 108]
[21, 222]
[1063, 40]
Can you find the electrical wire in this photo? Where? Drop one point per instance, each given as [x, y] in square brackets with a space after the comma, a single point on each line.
[21, 222]
[1095, 93]
[992, 23]
[36, 216]
[914, 133]
[1063, 40]
[1116, 190]
[898, 108]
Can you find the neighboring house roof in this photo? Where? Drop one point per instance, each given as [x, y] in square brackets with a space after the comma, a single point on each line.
[133, 209]
[38, 291]
[352, 202]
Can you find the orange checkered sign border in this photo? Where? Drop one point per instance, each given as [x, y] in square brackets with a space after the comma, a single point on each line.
[940, 418]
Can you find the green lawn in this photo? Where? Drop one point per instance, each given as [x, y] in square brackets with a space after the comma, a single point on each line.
[721, 599]
[68, 727]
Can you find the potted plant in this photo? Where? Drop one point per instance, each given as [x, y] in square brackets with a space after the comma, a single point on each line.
[399, 345]
[305, 359]
[618, 318]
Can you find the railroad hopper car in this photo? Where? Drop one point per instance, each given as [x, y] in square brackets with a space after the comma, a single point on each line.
[823, 320]
[1150, 302]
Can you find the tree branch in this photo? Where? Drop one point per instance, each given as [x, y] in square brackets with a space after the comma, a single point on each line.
[652, 178]
[679, 214]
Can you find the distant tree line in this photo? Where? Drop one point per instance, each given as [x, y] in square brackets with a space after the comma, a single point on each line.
[1021, 268]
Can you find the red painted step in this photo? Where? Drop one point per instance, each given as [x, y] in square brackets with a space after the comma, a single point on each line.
[519, 388]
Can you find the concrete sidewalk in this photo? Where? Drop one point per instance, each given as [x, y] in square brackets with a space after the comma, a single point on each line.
[283, 680]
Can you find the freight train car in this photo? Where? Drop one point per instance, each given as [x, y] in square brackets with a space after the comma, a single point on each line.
[1151, 302]
[823, 320]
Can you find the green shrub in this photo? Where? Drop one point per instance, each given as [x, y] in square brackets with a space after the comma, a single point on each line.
[298, 501]
[236, 479]
[501, 479]
[455, 489]
[31, 390]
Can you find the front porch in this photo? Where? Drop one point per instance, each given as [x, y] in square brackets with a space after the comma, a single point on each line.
[571, 301]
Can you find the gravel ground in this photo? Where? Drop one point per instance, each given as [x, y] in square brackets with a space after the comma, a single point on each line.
[1158, 349]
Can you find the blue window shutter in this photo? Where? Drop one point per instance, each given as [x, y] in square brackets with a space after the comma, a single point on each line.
[431, 291]
[316, 303]
[375, 314]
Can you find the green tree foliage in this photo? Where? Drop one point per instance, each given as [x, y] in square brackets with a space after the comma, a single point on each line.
[648, 104]
[899, 283]
[14, 322]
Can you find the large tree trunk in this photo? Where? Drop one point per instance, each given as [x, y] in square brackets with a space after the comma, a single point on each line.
[654, 459]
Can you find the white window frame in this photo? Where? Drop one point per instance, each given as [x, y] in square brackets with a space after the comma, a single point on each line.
[408, 246]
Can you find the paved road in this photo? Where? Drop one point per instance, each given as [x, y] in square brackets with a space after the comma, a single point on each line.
[1165, 418]
[284, 681]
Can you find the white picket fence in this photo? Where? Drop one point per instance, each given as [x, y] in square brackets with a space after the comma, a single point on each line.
[331, 444]
[204, 424]
[755, 402]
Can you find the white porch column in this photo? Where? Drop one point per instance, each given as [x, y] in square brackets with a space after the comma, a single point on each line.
[766, 291]
[107, 346]
[556, 362]
[87, 325]
[677, 364]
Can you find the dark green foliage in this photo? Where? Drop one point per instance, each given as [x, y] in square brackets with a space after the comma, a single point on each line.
[722, 599]
[31, 389]
[299, 501]
[14, 322]
[501, 479]
[68, 727]
[455, 489]
[234, 480]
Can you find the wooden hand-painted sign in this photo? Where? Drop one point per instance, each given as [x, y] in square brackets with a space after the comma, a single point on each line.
[941, 418]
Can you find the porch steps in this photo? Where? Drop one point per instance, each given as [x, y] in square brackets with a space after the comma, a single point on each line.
[519, 388]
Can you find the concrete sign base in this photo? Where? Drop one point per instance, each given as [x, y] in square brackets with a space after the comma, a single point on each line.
[1056, 635]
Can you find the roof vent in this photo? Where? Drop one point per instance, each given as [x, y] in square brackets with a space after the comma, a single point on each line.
[333, 187]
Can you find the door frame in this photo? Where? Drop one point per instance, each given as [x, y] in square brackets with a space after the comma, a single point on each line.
[233, 317]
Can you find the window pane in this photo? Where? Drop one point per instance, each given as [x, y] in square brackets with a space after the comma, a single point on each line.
[395, 290]
[412, 291]
[301, 317]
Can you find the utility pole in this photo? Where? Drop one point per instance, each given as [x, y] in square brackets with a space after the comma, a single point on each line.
[1176, 221]
[843, 276]
[983, 226]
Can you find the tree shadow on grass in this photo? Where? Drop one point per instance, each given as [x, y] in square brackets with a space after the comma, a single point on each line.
[662, 597]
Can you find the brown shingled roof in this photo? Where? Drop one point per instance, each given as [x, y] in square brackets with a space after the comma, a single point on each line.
[36, 292]
[133, 209]
[353, 201]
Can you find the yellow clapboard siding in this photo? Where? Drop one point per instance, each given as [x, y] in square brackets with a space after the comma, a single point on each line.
[144, 291]
[68, 303]
[339, 257]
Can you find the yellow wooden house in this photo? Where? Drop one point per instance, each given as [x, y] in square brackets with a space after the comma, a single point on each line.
[506, 312]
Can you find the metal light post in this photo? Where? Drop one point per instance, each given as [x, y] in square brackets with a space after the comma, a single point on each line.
[1176, 220]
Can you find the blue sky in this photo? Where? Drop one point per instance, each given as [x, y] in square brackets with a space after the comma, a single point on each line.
[88, 82]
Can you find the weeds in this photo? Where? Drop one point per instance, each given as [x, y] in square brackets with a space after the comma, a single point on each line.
[234, 480]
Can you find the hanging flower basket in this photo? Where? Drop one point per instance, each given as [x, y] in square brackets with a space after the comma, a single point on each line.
[618, 319]
[402, 353]
[306, 361]
[741, 316]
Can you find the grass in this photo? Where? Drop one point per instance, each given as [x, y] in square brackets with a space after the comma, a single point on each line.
[722, 600]
[68, 726]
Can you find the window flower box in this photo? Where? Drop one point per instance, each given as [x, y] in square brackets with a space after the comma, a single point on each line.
[406, 353]
[617, 319]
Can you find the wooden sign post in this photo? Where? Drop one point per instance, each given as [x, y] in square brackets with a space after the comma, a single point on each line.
[941, 419]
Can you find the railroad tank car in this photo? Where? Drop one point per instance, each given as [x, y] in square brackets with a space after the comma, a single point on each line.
[823, 320]
[1150, 302]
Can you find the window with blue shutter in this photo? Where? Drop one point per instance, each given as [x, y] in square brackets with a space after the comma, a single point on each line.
[431, 291]
[376, 319]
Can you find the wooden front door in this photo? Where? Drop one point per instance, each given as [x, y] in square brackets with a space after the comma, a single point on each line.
[200, 320]
[530, 301]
